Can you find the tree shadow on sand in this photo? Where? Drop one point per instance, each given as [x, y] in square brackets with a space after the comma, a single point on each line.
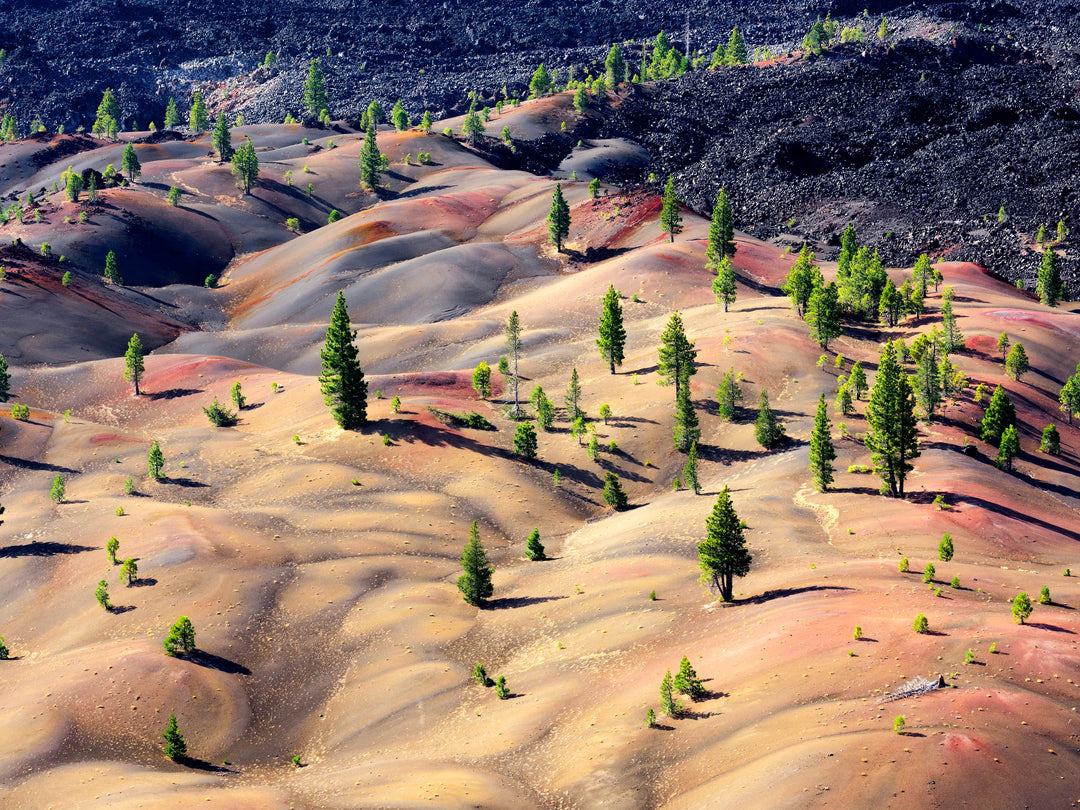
[1052, 627]
[780, 593]
[48, 549]
[203, 765]
[518, 601]
[27, 464]
[171, 393]
[211, 661]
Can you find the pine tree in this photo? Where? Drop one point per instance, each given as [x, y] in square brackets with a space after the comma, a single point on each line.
[112, 270]
[513, 346]
[111, 548]
[928, 381]
[687, 680]
[721, 233]
[1050, 442]
[1003, 345]
[615, 67]
[1000, 414]
[891, 413]
[399, 117]
[155, 460]
[1008, 449]
[735, 53]
[481, 380]
[891, 304]
[315, 98]
[245, 165]
[803, 278]
[199, 118]
[823, 314]
[129, 571]
[129, 162]
[729, 395]
[172, 117]
[101, 594]
[375, 112]
[133, 359]
[670, 218]
[822, 452]
[370, 158]
[472, 127]
[56, 491]
[540, 82]
[92, 189]
[175, 747]
[1069, 398]
[1016, 364]
[945, 548]
[534, 549]
[1048, 284]
[525, 440]
[612, 337]
[952, 335]
[475, 584]
[236, 393]
[723, 554]
[425, 122]
[613, 492]
[342, 382]
[5, 381]
[1021, 607]
[558, 219]
[676, 355]
[690, 470]
[108, 114]
[222, 139]
[767, 430]
[572, 399]
[723, 285]
[686, 431]
[667, 699]
[181, 638]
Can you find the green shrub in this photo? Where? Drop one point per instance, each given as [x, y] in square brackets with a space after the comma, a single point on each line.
[20, 412]
[898, 724]
[219, 415]
[922, 625]
[858, 632]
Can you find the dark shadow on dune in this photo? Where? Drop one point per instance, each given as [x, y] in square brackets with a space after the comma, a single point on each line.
[912, 734]
[254, 406]
[144, 582]
[694, 714]
[203, 765]
[188, 483]
[622, 421]
[857, 490]
[28, 464]
[758, 309]
[867, 638]
[118, 609]
[648, 370]
[1005, 511]
[1052, 627]
[780, 593]
[417, 192]
[726, 456]
[171, 393]
[935, 633]
[519, 601]
[48, 549]
[211, 661]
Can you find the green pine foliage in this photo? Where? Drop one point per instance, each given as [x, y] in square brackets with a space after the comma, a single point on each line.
[475, 583]
[686, 430]
[134, 365]
[892, 438]
[129, 162]
[1016, 364]
[525, 440]
[690, 470]
[677, 354]
[219, 415]
[1021, 607]
[823, 314]
[342, 382]
[822, 452]
[803, 278]
[723, 285]
[768, 431]
[370, 158]
[181, 638]
[1048, 285]
[721, 232]
[1008, 449]
[686, 680]
[56, 491]
[558, 219]
[155, 461]
[172, 116]
[670, 217]
[668, 704]
[612, 333]
[101, 594]
[1050, 442]
[723, 554]
[513, 346]
[945, 548]
[175, 747]
[222, 139]
[614, 496]
[1000, 414]
[199, 118]
[615, 67]
[481, 379]
[5, 380]
[129, 572]
[729, 394]
[534, 549]
[315, 97]
[399, 117]
[245, 166]
[108, 114]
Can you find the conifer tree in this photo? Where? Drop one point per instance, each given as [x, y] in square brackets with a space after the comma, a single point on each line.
[572, 399]
[676, 355]
[690, 470]
[175, 746]
[1021, 607]
[823, 314]
[803, 278]
[822, 452]
[472, 127]
[534, 549]
[172, 117]
[721, 232]
[129, 162]
[425, 122]
[1008, 449]
[735, 53]
[181, 638]
[723, 285]
[481, 379]
[928, 381]
[133, 360]
[891, 413]
[475, 583]
[723, 554]
[399, 117]
[615, 67]
[891, 304]
[222, 139]
[612, 337]
[5, 381]
[155, 460]
[111, 548]
[525, 440]
[667, 699]
[540, 82]
[1069, 398]
[1003, 345]
[112, 270]
[375, 112]
[945, 548]
[1048, 284]
[1000, 414]
[728, 395]
[670, 218]
[687, 681]
[767, 430]
[558, 219]
[199, 118]
[129, 571]
[513, 346]
[101, 594]
[686, 431]
[342, 382]
[952, 336]
[613, 492]
[108, 114]
[245, 165]
[370, 158]
[1050, 442]
[1016, 364]
[315, 98]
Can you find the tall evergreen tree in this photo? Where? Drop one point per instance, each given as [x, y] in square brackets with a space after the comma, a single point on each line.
[525, 440]
[1009, 448]
[112, 269]
[803, 278]
[370, 158]
[108, 114]
[572, 400]
[721, 233]
[1016, 364]
[129, 162]
[245, 166]
[822, 452]
[1048, 284]
[723, 285]
[472, 127]
[952, 337]
[857, 380]
[5, 383]
[735, 53]
[891, 413]
[133, 362]
[175, 746]
[613, 492]
[928, 381]
[199, 118]
[481, 379]
[690, 470]
[155, 461]
[1000, 414]
[687, 680]
[729, 394]
[534, 549]
[513, 347]
[767, 429]
[315, 98]
[172, 116]
[677, 355]
[891, 304]
[686, 431]
[612, 337]
[723, 555]
[342, 382]
[222, 139]
[475, 583]
[558, 219]
[540, 82]
[615, 67]
[670, 218]
[823, 314]
[1069, 398]
[399, 117]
